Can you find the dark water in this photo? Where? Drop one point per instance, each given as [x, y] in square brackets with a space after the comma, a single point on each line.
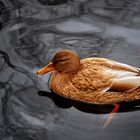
[30, 32]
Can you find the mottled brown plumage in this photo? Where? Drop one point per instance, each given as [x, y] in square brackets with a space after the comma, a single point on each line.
[92, 80]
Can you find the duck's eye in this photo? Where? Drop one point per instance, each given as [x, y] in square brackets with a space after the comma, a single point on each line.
[60, 61]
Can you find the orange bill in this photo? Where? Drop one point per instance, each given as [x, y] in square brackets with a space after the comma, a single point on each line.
[45, 69]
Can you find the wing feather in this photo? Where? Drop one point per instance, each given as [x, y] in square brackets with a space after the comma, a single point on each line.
[126, 77]
[122, 66]
[125, 84]
[123, 77]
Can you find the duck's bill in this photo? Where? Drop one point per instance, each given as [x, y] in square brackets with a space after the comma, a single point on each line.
[45, 69]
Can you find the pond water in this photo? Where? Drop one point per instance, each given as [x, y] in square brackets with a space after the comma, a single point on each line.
[30, 33]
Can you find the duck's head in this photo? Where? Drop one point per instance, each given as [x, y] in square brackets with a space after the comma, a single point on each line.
[63, 61]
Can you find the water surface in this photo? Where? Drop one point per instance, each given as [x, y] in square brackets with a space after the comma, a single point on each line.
[30, 33]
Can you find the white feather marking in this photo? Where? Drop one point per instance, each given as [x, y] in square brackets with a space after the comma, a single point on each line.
[126, 83]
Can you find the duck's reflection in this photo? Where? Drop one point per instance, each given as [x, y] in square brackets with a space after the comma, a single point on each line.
[89, 108]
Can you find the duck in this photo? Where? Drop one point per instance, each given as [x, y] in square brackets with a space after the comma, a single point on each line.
[92, 80]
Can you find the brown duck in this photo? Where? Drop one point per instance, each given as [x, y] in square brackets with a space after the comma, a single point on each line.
[93, 80]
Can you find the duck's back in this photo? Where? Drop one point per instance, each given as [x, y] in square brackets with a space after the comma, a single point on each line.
[92, 76]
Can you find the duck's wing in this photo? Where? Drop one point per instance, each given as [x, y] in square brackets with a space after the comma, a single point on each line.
[121, 66]
[125, 84]
[126, 77]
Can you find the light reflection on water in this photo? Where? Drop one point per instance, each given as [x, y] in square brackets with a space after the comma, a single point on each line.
[31, 32]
